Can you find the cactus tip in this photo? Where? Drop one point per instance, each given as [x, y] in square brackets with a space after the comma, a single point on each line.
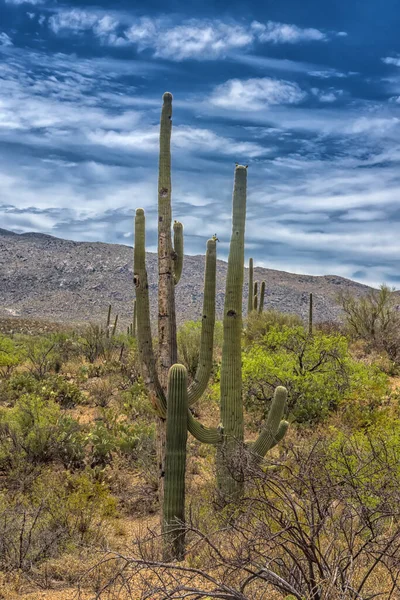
[167, 97]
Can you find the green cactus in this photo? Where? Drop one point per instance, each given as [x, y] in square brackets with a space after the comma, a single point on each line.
[114, 329]
[133, 324]
[175, 464]
[262, 297]
[108, 321]
[250, 299]
[229, 436]
[255, 296]
[310, 315]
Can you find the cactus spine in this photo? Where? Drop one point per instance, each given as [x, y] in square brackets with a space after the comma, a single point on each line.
[175, 464]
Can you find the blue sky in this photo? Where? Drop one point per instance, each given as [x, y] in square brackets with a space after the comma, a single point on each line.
[306, 93]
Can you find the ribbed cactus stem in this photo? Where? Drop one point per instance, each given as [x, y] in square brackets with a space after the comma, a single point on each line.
[274, 426]
[250, 300]
[310, 315]
[231, 365]
[204, 367]
[145, 345]
[205, 435]
[167, 345]
[114, 329]
[133, 333]
[262, 297]
[255, 304]
[108, 321]
[175, 465]
[178, 251]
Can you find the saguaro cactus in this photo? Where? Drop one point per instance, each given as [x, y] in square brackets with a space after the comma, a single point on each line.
[250, 301]
[262, 296]
[310, 315]
[175, 464]
[169, 400]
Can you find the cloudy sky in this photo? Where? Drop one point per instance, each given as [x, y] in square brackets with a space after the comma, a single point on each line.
[306, 93]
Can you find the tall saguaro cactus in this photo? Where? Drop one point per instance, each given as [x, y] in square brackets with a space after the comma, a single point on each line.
[167, 381]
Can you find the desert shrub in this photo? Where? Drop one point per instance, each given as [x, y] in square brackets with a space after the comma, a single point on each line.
[317, 371]
[11, 356]
[101, 391]
[96, 343]
[324, 524]
[42, 355]
[188, 337]
[35, 430]
[60, 511]
[375, 318]
[52, 387]
[111, 434]
[258, 325]
[135, 403]
[66, 393]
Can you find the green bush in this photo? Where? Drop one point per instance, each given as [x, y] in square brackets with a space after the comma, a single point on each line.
[52, 387]
[317, 370]
[258, 325]
[36, 431]
[60, 511]
[11, 356]
[188, 338]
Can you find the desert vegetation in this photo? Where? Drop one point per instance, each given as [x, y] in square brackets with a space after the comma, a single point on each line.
[252, 458]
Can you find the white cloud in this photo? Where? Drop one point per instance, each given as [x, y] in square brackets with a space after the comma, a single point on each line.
[189, 139]
[328, 96]
[190, 39]
[18, 2]
[283, 33]
[255, 93]
[392, 60]
[5, 40]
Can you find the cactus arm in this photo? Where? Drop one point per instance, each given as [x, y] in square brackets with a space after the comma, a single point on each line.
[175, 465]
[204, 368]
[166, 293]
[262, 296]
[178, 251]
[255, 296]
[250, 297]
[205, 435]
[310, 315]
[272, 429]
[145, 344]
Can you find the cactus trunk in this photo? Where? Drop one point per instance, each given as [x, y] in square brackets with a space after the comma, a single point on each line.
[262, 296]
[251, 295]
[175, 465]
[230, 486]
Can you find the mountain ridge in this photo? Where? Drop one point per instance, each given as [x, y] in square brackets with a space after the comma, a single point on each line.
[42, 276]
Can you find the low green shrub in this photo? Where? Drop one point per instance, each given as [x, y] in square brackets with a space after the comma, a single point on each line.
[317, 370]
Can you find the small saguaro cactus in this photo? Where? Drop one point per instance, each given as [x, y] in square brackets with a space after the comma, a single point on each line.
[262, 297]
[250, 301]
[255, 296]
[175, 464]
[310, 315]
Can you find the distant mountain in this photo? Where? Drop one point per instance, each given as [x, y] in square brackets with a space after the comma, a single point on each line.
[44, 277]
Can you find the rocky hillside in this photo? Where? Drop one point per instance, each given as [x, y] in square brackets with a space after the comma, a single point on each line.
[43, 277]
